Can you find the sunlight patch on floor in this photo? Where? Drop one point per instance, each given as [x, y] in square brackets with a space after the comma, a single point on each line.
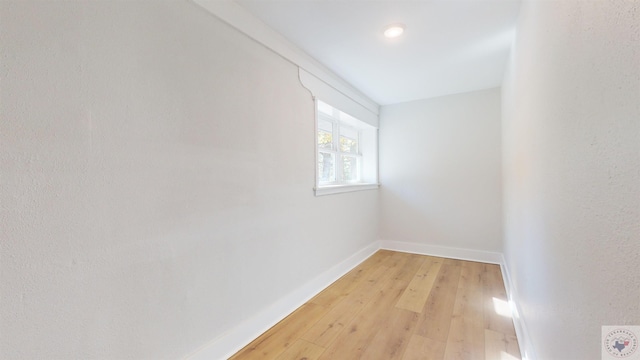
[502, 307]
[505, 356]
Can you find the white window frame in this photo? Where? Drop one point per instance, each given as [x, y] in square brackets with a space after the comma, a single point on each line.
[339, 186]
[337, 130]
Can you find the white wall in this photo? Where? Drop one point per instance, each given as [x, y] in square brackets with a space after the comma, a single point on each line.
[440, 169]
[156, 181]
[571, 127]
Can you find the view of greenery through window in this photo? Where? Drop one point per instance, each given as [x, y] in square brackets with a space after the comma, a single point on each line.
[338, 161]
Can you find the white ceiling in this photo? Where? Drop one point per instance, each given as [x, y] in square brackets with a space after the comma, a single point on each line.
[449, 46]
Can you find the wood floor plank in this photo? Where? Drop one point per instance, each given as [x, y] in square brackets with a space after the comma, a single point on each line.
[452, 262]
[343, 286]
[416, 294]
[422, 348]
[398, 259]
[500, 346]
[300, 350]
[392, 339]
[332, 324]
[277, 339]
[435, 318]
[466, 333]
[360, 331]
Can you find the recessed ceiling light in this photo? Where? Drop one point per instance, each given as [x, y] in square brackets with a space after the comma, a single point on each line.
[393, 30]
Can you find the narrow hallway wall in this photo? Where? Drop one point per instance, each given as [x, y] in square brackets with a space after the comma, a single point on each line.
[571, 134]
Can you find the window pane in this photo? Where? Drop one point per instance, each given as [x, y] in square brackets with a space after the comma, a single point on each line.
[325, 140]
[348, 145]
[325, 134]
[326, 167]
[348, 140]
[350, 171]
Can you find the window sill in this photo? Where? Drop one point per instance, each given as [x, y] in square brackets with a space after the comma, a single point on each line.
[337, 189]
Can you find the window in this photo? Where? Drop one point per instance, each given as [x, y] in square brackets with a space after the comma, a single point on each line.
[347, 152]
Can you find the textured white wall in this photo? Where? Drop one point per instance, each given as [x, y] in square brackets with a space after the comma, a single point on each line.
[440, 169]
[156, 181]
[571, 131]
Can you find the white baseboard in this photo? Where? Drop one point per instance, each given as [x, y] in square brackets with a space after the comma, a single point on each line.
[443, 251]
[235, 339]
[524, 341]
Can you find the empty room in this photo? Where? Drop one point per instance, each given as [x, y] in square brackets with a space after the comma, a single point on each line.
[319, 179]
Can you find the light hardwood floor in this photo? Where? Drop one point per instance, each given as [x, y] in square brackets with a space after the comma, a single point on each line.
[399, 306]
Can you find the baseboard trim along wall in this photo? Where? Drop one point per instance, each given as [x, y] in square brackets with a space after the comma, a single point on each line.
[524, 341]
[235, 339]
[443, 251]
